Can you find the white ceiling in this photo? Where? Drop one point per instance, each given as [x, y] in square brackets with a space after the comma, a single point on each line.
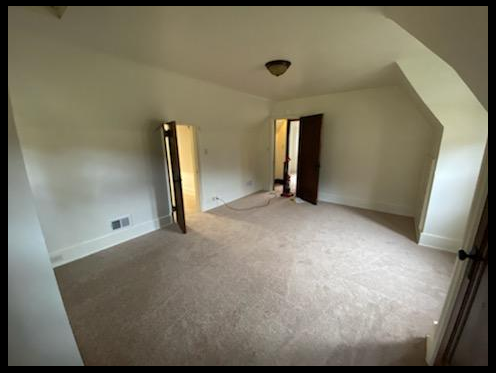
[457, 34]
[331, 48]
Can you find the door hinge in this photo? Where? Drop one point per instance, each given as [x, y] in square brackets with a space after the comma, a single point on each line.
[167, 133]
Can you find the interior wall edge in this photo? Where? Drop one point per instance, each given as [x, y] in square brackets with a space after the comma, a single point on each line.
[367, 204]
[434, 241]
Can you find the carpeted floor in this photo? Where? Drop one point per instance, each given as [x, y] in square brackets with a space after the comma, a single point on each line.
[287, 284]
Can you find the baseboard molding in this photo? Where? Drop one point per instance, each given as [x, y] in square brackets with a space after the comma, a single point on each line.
[364, 204]
[439, 243]
[80, 250]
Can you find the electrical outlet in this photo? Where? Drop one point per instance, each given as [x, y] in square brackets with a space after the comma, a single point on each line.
[249, 183]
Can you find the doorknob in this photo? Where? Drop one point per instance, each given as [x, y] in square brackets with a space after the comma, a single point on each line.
[462, 255]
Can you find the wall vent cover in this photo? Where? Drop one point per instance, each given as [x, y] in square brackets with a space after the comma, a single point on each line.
[125, 222]
[119, 223]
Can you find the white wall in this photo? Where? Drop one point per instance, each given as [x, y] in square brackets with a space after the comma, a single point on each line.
[39, 330]
[452, 105]
[87, 128]
[373, 147]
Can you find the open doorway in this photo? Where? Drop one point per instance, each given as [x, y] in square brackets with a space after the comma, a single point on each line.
[286, 142]
[186, 140]
[296, 158]
[181, 159]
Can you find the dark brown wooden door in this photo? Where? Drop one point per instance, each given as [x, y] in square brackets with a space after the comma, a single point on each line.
[175, 183]
[307, 174]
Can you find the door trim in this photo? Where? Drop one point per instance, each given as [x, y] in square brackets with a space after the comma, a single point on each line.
[436, 343]
[169, 137]
[273, 148]
[474, 272]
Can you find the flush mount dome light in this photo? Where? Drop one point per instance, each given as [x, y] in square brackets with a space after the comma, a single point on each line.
[277, 67]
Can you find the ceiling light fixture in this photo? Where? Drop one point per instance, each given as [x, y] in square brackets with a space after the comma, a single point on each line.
[277, 67]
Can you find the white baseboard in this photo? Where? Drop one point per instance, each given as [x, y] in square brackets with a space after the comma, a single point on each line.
[364, 204]
[438, 242]
[80, 250]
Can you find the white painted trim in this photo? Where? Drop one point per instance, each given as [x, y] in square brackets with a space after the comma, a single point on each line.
[272, 134]
[434, 241]
[366, 204]
[166, 167]
[433, 340]
[80, 250]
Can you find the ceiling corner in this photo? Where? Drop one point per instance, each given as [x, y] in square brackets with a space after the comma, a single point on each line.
[58, 10]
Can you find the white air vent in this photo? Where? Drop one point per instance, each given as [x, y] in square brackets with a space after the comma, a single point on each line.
[119, 223]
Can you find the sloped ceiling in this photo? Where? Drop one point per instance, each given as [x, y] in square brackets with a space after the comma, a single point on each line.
[332, 49]
[457, 34]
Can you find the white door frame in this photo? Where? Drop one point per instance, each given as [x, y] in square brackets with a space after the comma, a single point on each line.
[196, 161]
[435, 340]
[272, 141]
[270, 179]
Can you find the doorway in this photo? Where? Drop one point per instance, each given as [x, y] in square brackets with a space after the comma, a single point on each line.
[181, 158]
[286, 143]
[296, 157]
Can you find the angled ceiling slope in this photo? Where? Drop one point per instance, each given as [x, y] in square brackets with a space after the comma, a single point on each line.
[334, 48]
[457, 34]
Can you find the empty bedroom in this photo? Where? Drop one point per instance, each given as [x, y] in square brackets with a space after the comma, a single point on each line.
[247, 185]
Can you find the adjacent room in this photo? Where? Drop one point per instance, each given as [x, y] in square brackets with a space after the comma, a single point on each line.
[286, 143]
[205, 186]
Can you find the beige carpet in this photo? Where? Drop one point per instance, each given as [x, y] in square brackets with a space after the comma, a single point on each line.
[285, 284]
